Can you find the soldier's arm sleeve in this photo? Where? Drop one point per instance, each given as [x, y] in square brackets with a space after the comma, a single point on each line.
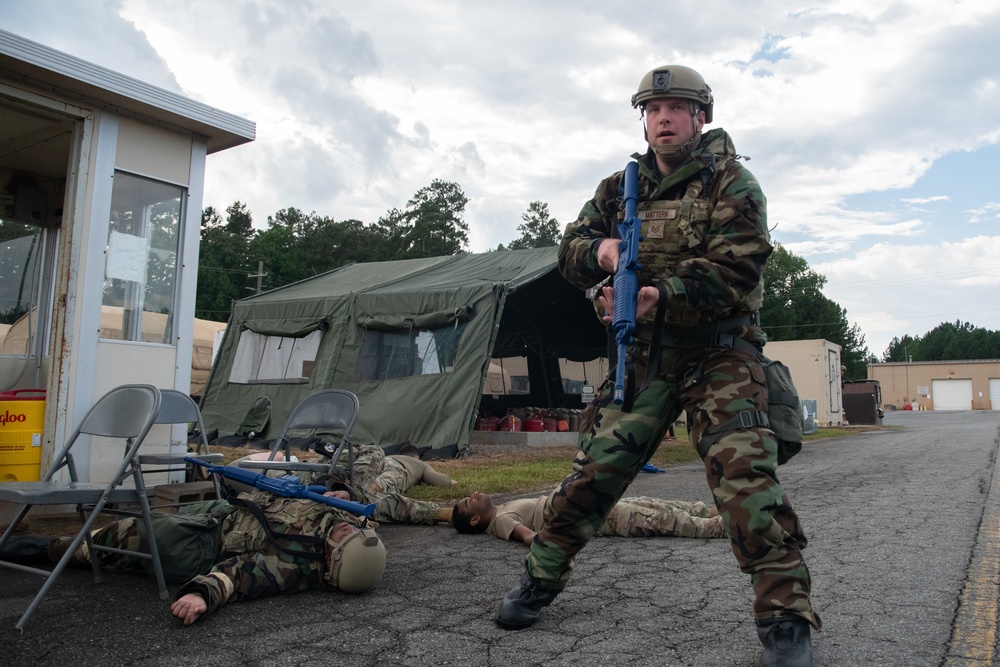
[736, 246]
[578, 248]
[432, 476]
[400, 509]
[247, 576]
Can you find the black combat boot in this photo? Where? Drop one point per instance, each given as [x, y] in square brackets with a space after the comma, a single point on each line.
[26, 550]
[786, 642]
[521, 606]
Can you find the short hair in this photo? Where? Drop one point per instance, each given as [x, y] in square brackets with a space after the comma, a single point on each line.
[463, 524]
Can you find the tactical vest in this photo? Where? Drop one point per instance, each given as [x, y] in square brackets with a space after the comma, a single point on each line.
[243, 532]
[673, 231]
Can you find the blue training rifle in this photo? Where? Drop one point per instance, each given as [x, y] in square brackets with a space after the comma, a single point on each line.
[287, 486]
[626, 282]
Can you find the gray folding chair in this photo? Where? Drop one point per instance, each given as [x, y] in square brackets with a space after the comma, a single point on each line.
[328, 412]
[126, 413]
[176, 407]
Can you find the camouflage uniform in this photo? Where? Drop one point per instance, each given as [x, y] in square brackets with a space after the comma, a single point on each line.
[382, 479]
[399, 473]
[705, 241]
[250, 565]
[630, 517]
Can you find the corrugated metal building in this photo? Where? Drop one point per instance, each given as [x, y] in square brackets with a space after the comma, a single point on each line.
[939, 385]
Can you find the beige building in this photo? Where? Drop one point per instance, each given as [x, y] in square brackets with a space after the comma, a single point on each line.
[815, 368]
[101, 180]
[939, 385]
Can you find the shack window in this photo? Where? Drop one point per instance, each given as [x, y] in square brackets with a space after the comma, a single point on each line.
[401, 353]
[19, 287]
[274, 359]
[141, 267]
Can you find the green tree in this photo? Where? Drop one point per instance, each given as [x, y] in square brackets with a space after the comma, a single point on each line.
[959, 340]
[901, 349]
[796, 309]
[276, 248]
[239, 221]
[539, 229]
[433, 223]
[223, 262]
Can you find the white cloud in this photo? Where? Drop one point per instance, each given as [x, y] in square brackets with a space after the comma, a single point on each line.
[844, 107]
[925, 200]
[989, 211]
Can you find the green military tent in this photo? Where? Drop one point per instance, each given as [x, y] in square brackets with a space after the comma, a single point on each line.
[413, 339]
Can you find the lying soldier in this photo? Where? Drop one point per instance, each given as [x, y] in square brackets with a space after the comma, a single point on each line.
[254, 545]
[382, 479]
[519, 520]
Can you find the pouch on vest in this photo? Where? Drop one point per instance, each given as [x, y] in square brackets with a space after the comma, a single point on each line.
[784, 411]
[188, 545]
[783, 416]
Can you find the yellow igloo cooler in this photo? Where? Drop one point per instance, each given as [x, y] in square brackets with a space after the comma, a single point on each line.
[22, 413]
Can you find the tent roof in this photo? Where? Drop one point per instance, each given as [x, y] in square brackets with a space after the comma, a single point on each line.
[514, 268]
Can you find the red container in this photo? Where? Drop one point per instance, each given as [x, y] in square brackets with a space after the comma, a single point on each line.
[534, 425]
[487, 423]
[550, 424]
[510, 423]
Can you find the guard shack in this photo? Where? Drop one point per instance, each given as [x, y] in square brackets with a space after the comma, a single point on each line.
[101, 180]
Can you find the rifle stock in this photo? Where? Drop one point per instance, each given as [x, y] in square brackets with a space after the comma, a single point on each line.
[626, 281]
[287, 486]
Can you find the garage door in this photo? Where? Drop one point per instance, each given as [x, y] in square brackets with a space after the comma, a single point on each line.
[952, 394]
[994, 393]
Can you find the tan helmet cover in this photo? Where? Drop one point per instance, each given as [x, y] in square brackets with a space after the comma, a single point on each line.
[675, 81]
[357, 563]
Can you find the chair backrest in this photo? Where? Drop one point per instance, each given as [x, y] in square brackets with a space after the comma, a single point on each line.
[127, 412]
[328, 410]
[124, 412]
[331, 408]
[176, 407]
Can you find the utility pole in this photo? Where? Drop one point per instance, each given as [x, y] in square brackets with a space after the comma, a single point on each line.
[260, 274]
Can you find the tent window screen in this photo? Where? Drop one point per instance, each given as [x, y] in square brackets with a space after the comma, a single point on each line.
[274, 359]
[402, 353]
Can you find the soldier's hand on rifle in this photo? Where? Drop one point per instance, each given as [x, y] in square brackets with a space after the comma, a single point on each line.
[648, 296]
[607, 255]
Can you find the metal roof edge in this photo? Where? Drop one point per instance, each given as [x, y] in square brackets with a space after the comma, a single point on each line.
[68, 74]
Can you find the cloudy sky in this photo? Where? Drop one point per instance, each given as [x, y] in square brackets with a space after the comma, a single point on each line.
[872, 125]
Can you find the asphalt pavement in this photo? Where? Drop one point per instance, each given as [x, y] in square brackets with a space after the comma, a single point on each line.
[904, 546]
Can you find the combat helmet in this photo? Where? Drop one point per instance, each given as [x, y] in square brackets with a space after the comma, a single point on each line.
[355, 564]
[675, 81]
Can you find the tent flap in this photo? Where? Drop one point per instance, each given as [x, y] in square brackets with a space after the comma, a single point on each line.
[290, 327]
[426, 321]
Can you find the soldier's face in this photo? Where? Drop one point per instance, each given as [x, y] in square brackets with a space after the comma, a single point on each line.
[341, 531]
[669, 121]
[477, 503]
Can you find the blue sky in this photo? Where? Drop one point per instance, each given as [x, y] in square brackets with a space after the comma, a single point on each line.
[873, 126]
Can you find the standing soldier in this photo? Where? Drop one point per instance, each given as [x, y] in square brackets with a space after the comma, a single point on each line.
[704, 245]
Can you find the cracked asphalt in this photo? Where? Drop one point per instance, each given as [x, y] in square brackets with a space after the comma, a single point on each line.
[901, 574]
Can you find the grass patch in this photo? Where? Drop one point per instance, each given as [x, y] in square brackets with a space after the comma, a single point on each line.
[527, 472]
[539, 470]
